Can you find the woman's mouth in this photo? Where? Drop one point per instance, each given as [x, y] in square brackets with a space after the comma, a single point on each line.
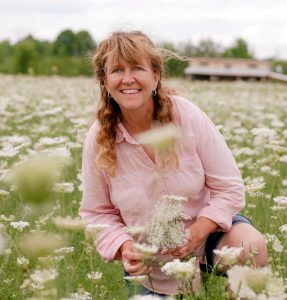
[129, 92]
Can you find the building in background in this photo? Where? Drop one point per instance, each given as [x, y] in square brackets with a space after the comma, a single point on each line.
[216, 68]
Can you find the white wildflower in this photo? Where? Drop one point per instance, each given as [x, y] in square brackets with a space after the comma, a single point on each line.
[96, 228]
[283, 229]
[276, 244]
[283, 158]
[82, 295]
[266, 133]
[64, 250]
[146, 250]
[4, 194]
[94, 276]
[5, 218]
[228, 255]
[281, 201]
[69, 223]
[149, 297]
[160, 138]
[20, 225]
[2, 243]
[135, 230]
[166, 228]
[254, 188]
[22, 261]
[43, 276]
[63, 187]
[250, 283]
[181, 270]
[136, 279]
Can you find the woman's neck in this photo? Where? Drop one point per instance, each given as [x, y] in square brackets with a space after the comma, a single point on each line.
[137, 122]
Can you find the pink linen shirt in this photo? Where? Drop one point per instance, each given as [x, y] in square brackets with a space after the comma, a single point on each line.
[207, 175]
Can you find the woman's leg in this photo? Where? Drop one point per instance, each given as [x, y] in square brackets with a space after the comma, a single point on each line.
[246, 236]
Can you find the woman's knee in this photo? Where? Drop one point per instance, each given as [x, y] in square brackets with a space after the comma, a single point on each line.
[251, 240]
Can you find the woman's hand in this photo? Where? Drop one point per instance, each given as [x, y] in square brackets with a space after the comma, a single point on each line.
[199, 232]
[132, 260]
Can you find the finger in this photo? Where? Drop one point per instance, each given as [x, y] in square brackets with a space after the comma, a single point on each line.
[142, 271]
[168, 251]
[132, 268]
[130, 255]
[180, 251]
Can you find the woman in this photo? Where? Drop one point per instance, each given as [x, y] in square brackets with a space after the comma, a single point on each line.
[122, 179]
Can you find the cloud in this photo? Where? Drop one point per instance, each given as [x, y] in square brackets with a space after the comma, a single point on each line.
[259, 22]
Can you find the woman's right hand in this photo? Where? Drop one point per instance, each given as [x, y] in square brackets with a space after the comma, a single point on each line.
[132, 260]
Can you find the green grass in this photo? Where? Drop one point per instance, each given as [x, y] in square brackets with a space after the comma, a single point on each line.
[26, 110]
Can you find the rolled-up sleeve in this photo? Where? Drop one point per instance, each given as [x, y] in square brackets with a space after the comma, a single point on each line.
[222, 176]
[96, 207]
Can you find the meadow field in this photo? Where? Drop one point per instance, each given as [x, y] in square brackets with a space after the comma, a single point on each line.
[44, 253]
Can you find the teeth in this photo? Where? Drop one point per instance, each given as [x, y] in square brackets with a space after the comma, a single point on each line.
[130, 91]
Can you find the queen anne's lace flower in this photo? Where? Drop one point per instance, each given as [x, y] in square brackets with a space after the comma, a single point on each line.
[165, 228]
[249, 283]
[20, 225]
[181, 270]
[228, 255]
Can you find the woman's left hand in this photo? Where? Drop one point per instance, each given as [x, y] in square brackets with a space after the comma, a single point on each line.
[199, 232]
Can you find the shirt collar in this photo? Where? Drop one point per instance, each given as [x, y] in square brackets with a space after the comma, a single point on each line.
[123, 134]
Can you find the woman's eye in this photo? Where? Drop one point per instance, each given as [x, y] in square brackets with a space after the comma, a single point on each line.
[116, 70]
[138, 68]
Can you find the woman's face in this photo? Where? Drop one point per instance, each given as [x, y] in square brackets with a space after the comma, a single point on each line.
[130, 85]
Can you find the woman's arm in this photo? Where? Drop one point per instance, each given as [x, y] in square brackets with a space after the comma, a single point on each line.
[96, 207]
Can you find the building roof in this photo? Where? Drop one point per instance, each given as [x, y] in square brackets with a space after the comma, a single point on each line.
[217, 71]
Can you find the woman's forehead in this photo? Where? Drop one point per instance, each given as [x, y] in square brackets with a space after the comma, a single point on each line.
[119, 60]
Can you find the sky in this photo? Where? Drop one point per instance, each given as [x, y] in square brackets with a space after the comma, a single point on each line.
[262, 23]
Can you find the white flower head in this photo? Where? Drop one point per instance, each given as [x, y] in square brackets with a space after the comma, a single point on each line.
[275, 242]
[136, 279]
[69, 223]
[181, 270]
[165, 228]
[149, 297]
[283, 229]
[94, 276]
[20, 225]
[22, 261]
[146, 250]
[228, 255]
[63, 187]
[135, 230]
[255, 283]
[43, 276]
[160, 138]
[96, 228]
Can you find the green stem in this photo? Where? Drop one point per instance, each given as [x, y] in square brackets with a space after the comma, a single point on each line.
[150, 281]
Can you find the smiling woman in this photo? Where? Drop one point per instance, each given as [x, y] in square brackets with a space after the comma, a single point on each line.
[124, 180]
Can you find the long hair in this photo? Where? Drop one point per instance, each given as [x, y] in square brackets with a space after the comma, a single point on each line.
[131, 47]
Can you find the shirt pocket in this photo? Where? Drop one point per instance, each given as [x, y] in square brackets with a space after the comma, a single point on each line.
[129, 196]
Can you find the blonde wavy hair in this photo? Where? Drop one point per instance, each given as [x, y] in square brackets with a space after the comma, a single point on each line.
[131, 47]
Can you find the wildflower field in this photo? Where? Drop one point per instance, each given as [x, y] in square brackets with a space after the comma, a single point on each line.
[45, 253]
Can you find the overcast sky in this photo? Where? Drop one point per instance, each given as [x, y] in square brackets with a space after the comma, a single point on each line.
[263, 23]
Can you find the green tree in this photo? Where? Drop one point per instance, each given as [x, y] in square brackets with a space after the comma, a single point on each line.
[66, 44]
[6, 54]
[25, 56]
[207, 47]
[238, 50]
[174, 66]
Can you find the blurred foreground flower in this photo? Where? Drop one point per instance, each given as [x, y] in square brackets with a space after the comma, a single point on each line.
[36, 244]
[180, 270]
[2, 240]
[228, 255]
[160, 138]
[34, 178]
[69, 223]
[150, 297]
[251, 283]
[136, 279]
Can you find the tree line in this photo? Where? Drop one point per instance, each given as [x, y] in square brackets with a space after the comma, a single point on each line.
[70, 54]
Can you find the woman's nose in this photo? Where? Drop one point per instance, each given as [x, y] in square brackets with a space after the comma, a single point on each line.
[128, 78]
